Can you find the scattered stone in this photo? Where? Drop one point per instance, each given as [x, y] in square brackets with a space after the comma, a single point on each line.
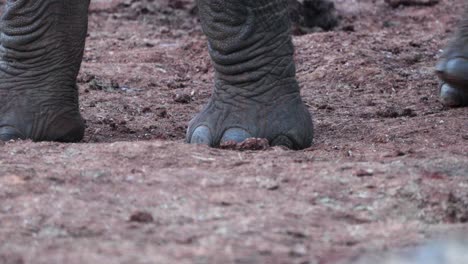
[161, 112]
[273, 187]
[142, 6]
[457, 208]
[396, 153]
[364, 173]
[389, 112]
[101, 85]
[95, 84]
[182, 98]
[351, 243]
[348, 28]
[297, 234]
[388, 24]
[52, 232]
[85, 77]
[141, 217]
[224, 199]
[393, 112]
[145, 110]
[149, 44]
[268, 183]
[56, 180]
[325, 107]
[424, 99]
[413, 58]
[408, 112]
[114, 84]
[299, 250]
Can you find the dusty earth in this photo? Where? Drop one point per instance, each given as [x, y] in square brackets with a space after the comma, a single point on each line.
[388, 169]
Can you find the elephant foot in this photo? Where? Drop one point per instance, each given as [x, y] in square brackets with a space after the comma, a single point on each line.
[283, 121]
[41, 48]
[454, 76]
[46, 123]
[452, 70]
[256, 93]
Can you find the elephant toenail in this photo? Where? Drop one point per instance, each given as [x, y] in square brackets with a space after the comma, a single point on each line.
[235, 134]
[282, 141]
[9, 133]
[452, 97]
[456, 69]
[201, 135]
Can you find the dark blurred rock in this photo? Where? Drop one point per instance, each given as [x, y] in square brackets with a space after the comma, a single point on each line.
[397, 3]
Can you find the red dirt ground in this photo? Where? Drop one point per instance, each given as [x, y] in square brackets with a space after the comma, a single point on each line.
[388, 169]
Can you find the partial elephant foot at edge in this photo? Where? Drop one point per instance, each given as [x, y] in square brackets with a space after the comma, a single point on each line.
[452, 70]
[62, 124]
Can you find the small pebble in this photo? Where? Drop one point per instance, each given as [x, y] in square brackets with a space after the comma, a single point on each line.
[364, 173]
[141, 217]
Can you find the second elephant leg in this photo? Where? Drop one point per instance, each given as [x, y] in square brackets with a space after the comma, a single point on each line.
[255, 92]
[41, 47]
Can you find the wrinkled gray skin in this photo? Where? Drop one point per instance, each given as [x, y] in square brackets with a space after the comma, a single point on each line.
[255, 95]
[41, 47]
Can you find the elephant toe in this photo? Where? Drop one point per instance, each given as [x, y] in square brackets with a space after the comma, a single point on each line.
[201, 135]
[10, 133]
[283, 141]
[237, 135]
[453, 97]
[454, 71]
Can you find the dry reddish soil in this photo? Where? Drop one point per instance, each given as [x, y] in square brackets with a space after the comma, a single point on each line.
[388, 169]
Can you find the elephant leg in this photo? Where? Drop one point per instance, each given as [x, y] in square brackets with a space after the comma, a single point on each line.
[255, 91]
[41, 48]
[452, 68]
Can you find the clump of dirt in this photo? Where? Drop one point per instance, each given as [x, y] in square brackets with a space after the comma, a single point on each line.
[248, 144]
[141, 217]
[393, 112]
